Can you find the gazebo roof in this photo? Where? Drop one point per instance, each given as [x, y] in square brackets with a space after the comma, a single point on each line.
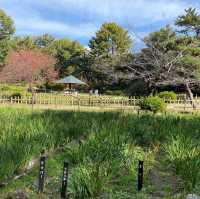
[70, 80]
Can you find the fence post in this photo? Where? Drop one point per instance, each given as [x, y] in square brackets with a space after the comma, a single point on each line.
[41, 174]
[101, 102]
[140, 175]
[89, 102]
[185, 103]
[134, 101]
[64, 181]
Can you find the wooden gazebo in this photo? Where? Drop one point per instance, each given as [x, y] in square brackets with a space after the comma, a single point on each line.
[70, 80]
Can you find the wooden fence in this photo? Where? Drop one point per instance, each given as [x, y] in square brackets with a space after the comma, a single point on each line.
[71, 101]
[93, 101]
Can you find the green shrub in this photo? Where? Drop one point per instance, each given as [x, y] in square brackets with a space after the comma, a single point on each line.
[168, 95]
[154, 104]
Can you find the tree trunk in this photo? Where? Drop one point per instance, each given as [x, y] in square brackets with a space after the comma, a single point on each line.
[149, 86]
[190, 95]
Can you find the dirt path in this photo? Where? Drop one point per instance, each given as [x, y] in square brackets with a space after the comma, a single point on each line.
[165, 184]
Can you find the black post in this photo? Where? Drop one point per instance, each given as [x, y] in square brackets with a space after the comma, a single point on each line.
[140, 175]
[41, 174]
[64, 181]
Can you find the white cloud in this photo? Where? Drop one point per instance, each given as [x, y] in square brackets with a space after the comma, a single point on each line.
[138, 12]
[39, 25]
[80, 19]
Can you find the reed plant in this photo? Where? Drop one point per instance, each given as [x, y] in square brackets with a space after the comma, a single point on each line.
[103, 147]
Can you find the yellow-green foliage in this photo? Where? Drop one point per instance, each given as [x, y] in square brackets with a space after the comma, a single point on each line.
[154, 104]
[167, 95]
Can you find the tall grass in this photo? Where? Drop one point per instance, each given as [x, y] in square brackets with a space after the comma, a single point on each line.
[184, 156]
[104, 147]
[109, 159]
[24, 136]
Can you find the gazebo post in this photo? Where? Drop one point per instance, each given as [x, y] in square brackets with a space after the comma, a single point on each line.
[70, 86]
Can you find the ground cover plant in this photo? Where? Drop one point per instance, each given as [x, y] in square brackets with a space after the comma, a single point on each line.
[101, 147]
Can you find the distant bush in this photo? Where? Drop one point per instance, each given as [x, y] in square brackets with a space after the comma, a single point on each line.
[168, 95]
[154, 104]
[16, 95]
[13, 88]
[4, 88]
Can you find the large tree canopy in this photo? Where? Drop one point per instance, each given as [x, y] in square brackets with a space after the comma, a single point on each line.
[6, 25]
[169, 59]
[6, 30]
[31, 66]
[67, 54]
[111, 39]
[108, 48]
[189, 22]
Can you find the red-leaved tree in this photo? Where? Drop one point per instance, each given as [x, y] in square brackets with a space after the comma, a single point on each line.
[28, 66]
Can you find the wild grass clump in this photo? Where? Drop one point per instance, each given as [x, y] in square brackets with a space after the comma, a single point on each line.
[183, 154]
[110, 160]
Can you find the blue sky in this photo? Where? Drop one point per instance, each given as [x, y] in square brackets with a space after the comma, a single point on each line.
[80, 19]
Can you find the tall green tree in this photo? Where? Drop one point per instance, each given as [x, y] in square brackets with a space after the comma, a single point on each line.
[169, 59]
[111, 39]
[68, 55]
[189, 22]
[6, 25]
[108, 48]
[152, 64]
[6, 30]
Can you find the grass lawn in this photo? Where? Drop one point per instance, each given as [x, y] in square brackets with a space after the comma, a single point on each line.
[101, 147]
